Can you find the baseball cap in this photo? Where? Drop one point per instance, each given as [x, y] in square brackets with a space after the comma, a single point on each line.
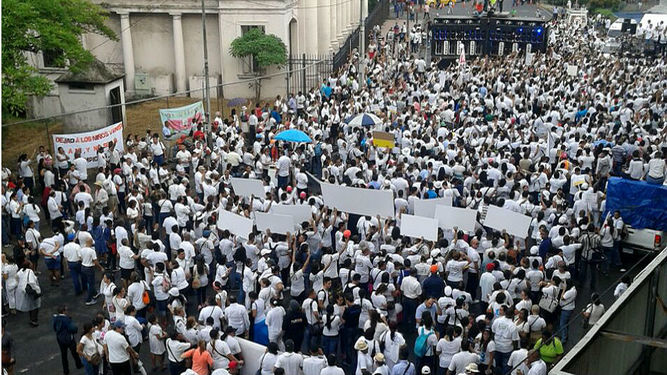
[434, 268]
[119, 324]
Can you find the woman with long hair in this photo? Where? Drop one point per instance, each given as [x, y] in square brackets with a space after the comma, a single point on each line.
[31, 211]
[89, 350]
[201, 358]
[485, 347]
[426, 328]
[330, 331]
[28, 293]
[377, 323]
[200, 279]
[10, 277]
[275, 322]
[448, 345]
[120, 303]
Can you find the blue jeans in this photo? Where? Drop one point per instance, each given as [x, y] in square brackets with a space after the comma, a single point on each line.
[409, 311]
[89, 280]
[501, 361]
[159, 159]
[657, 181]
[564, 319]
[89, 368]
[283, 181]
[5, 230]
[329, 344]
[75, 272]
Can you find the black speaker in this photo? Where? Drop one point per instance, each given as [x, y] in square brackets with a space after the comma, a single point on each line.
[628, 26]
[486, 36]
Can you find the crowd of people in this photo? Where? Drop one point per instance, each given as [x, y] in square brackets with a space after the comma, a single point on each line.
[135, 231]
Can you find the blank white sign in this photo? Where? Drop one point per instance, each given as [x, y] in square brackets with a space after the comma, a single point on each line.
[358, 201]
[426, 207]
[236, 224]
[512, 222]
[275, 223]
[450, 217]
[418, 227]
[298, 212]
[248, 187]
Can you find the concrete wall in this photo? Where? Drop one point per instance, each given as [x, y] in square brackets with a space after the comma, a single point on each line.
[76, 100]
[152, 42]
[106, 50]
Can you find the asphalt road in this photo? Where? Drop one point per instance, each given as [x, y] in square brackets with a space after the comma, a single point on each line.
[36, 349]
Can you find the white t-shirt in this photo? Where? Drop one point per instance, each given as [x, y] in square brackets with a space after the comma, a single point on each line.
[117, 346]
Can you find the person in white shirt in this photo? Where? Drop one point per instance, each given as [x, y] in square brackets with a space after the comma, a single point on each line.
[331, 369]
[117, 350]
[593, 311]
[237, 316]
[289, 361]
[506, 338]
[536, 364]
[133, 329]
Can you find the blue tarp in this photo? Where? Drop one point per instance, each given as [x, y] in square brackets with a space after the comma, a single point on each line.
[641, 204]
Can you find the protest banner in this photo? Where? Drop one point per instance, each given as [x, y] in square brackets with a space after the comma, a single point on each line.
[383, 139]
[358, 201]
[512, 222]
[419, 227]
[176, 121]
[248, 187]
[461, 218]
[426, 207]
[89, 142]
[235, 224]
[275, 223]
[298, 212]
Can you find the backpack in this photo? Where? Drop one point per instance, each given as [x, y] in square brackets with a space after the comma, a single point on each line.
[318, 149]
[421, 343]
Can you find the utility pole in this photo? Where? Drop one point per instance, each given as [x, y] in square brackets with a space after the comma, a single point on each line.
[207, 89]
[362, 47]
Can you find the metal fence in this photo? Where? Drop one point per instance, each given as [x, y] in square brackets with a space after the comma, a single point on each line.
[309, 71]
[377, 16]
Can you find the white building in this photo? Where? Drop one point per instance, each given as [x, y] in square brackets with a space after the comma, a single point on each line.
[159, 47]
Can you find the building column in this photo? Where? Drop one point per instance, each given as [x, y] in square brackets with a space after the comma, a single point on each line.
[333, 25]
[340, 21]
[311, 27]
[348, 15]
[128, 53]
[355, 12]
[324, 26]
[179, 53]
[223, 52]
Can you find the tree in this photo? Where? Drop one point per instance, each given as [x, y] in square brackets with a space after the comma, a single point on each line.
[52, 26]
[265, 50]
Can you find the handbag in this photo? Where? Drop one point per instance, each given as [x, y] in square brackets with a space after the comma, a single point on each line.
[548, 303]
[95, 359]
[261, 362]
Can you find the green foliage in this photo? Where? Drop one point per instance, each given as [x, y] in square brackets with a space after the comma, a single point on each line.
[266, 49]
[44, 25]
[612, 5]
[605, 13]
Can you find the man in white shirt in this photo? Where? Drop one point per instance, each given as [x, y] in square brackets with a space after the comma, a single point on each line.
[72, 253]
[506, 337]
[117, 350]
[411, 289]
[289, 361]
[284, 164]
[237, 316]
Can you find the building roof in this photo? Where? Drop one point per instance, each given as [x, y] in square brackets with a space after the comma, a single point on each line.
[96, 72]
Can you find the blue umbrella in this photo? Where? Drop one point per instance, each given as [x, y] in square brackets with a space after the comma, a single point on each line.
[292, 135]
[364, 119]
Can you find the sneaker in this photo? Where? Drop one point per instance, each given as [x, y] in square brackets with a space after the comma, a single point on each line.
[90, 303]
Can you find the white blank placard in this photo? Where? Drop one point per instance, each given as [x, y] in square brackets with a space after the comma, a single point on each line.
[512, 222]
[275, 223]
[298, 212]
[248, 187]
[358, 201]
[450, 217]
[426, 207]
[236, 224]
[418, 227]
